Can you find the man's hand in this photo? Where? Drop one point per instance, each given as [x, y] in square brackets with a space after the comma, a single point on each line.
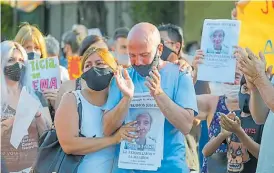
[231, 123]
[252, 66]
[154, 82]
[198, 59]
[125, 83]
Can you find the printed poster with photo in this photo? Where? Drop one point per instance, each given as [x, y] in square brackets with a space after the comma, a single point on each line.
[146, 152]
[218, 40]
[43, 74]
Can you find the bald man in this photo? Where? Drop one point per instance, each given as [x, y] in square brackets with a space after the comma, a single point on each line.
[172, 90]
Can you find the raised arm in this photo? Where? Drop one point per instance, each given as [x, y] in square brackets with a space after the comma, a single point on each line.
[68, 130]
[179, 112]
[116, 110]
[235, 127]
[253, 67]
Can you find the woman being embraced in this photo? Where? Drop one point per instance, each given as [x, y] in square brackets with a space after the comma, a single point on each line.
[98, 67]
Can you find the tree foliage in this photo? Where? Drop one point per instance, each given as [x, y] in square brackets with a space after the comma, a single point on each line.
[6, 22]
[156, 12]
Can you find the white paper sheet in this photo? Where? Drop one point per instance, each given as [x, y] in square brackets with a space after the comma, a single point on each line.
[218, 40]
[26, 109]
[148, 156]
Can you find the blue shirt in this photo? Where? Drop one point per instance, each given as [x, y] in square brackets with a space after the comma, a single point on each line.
[179, 88]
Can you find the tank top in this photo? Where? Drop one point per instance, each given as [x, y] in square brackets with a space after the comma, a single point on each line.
[102, 160]
[213, 131]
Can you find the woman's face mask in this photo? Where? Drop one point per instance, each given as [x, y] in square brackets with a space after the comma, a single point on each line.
[33, 55]
[97, 78]
[14, 72]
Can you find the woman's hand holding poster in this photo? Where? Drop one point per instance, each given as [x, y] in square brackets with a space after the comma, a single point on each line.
[146, 152]
[218, 40]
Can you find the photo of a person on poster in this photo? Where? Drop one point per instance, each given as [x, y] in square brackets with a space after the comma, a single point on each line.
[144, 142]
[217, 38]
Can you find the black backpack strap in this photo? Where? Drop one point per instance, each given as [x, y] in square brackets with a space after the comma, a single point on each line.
[79, 109]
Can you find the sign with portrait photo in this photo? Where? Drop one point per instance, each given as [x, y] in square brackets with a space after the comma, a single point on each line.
[218, 40]
[146, 152]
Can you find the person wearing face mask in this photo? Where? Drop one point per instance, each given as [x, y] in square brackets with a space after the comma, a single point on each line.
[120, 46]
[243, 136]
[34, 43]
[71, 85]
[32, 40]
[210, 106]
[13, 58]
[172, 90]
[98, 67]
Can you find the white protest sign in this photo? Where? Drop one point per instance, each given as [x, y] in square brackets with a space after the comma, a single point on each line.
[26, 109]
[146, 152]
[218, 40]
[43, 74]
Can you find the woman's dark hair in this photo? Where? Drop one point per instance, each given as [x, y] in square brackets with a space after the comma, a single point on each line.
[89, 40]
[243, 81]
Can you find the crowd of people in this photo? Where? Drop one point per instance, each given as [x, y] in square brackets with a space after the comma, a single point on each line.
[144, 59]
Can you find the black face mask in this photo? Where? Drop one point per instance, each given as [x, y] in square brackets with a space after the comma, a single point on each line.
[14, 72]
[244, 102]
[166, 52]
[33, 55]
[98, 79]
[144, 70]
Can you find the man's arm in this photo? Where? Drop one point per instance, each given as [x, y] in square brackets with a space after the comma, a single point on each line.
[180, 111]
[113, 119]
[266, 90]
[251, 145]
[259, 110]
[181, 118]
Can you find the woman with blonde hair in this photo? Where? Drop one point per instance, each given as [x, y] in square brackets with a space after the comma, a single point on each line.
[34, 43]
[13, 57]
[32, 40]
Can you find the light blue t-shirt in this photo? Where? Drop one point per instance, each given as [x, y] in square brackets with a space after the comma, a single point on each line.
[265, 161]
[179, 88]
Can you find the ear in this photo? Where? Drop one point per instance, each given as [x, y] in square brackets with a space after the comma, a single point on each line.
[178, 46]
[160, 49]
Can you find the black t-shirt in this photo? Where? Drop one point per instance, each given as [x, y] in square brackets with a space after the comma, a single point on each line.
[239, 159]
